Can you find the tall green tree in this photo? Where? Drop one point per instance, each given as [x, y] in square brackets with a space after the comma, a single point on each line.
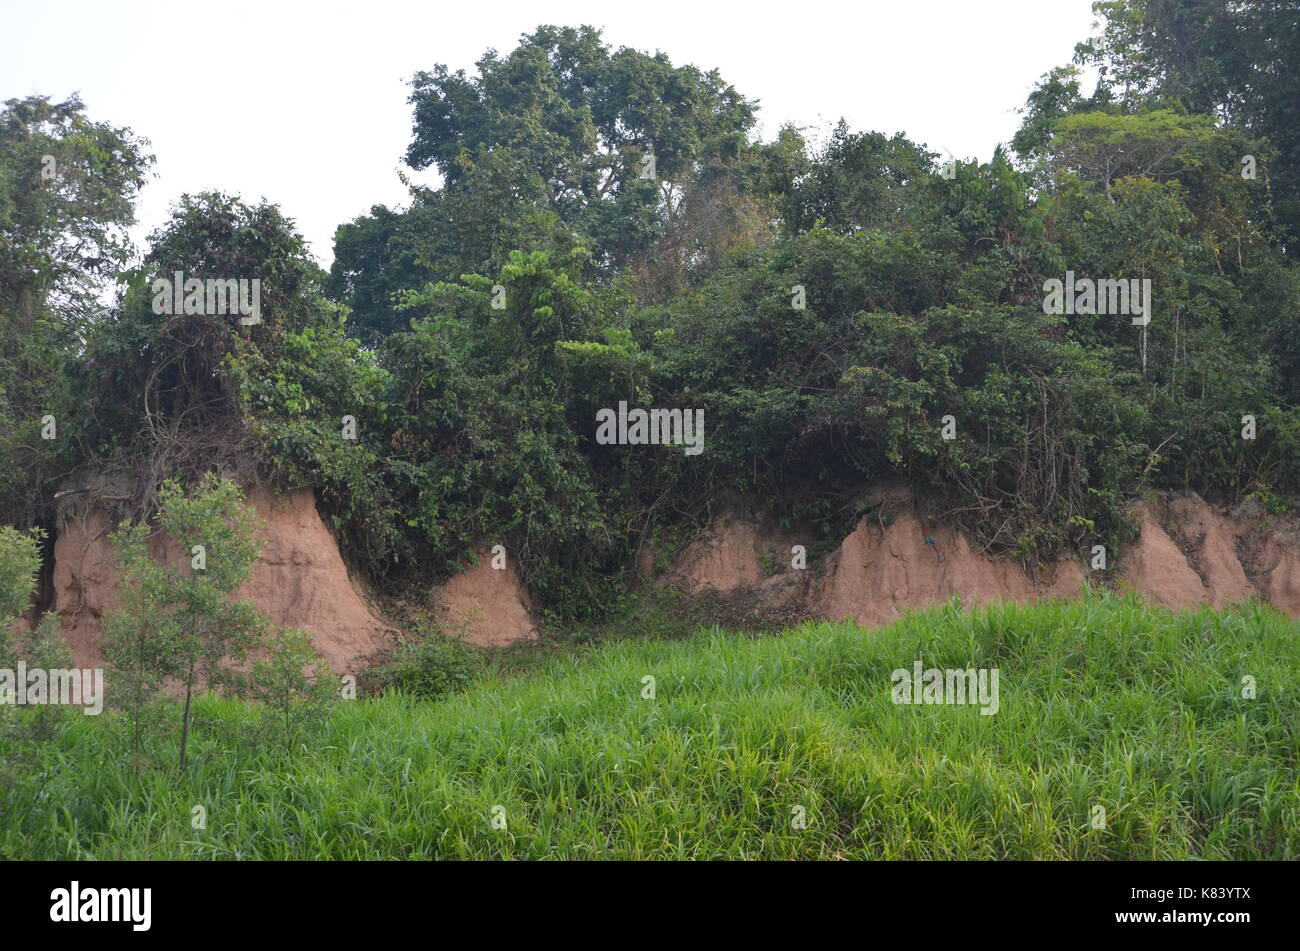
[179, 621]
[67, 187]
[1237, 61]
[562, 137]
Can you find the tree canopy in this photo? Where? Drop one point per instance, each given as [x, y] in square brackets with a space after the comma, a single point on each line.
[608, 228]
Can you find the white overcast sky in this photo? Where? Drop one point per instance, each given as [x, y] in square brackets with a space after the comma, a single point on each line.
[305, 103]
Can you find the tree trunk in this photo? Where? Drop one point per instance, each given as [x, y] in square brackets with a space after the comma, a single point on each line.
[185, 717]
[138, 704]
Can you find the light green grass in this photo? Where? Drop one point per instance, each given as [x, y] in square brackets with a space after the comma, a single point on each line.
[1103, 702]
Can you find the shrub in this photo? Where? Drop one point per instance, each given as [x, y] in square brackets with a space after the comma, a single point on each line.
[295, 687]
[431, 669]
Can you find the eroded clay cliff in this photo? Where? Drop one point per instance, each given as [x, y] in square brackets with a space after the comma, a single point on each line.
[299, 581]
[1188, 553]
[486, 605]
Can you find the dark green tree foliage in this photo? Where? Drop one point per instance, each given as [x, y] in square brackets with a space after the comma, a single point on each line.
[210, 392]
[553, 141]
[1145, 178]
[66, 190]
[379, 252]
[924, 300]
[1238, 61]
[67, 185]
[858, 181]
[807, 407]
[574, 120]
[482, 446]
[544, 280]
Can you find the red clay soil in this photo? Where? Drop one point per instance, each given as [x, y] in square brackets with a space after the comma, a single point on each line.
[1188, 553]
[726, 557]
[486, 606]
[885, 566]
[299, 582]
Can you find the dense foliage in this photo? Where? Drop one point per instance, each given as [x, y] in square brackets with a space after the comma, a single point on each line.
[609, 228]
[67, 188]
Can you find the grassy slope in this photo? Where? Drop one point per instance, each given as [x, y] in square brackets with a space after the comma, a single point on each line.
[1103, 701]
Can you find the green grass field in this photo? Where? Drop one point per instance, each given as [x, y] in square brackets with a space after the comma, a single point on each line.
[1103, 702]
